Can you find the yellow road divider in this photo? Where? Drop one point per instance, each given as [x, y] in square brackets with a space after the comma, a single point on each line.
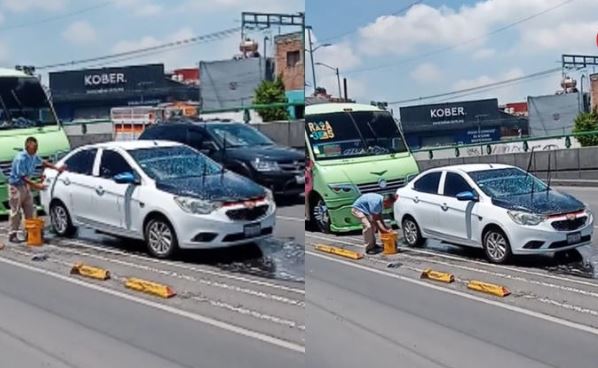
[90, 271]
[149, 287]
[438, 276]
[339, 251]
[488, 288]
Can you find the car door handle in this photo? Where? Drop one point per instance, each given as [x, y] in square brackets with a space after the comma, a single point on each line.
[416, 199]
[444, 207]
[100, 191]
[66, 181]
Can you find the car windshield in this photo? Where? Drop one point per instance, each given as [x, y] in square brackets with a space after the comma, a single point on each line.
[502, 183]
[238, 135]
[176, 162]
[24, 104]
[353, 134]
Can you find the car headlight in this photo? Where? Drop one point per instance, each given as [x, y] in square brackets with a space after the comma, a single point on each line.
[526, 218]
[197, 206]
[265, 165]
[269, 195]
[341, 188]
[590, 213]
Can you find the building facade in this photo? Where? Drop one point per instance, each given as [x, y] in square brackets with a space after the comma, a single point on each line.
[289, 60]
[92, 93]
[464, 122]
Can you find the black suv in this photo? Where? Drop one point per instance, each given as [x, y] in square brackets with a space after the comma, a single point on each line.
[240, 148]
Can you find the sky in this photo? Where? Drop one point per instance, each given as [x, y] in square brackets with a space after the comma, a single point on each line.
[393, 50]
[42, 32]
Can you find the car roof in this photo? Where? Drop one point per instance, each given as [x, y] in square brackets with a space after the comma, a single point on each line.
[472, 167]
[5, 72]
[131, 145]
[327, 108]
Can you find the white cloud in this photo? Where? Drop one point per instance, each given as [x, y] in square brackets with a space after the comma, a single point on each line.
[504, 94]
[25, 5]
[141, 8]
[237, 6]
[483, 54]
[338, 55]
[80, 32]
[567, 37]
[426, 26]
[426, 72]
[5, 53]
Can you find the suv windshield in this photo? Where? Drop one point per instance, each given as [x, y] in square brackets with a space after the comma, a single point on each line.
[501, 183]
[24, 104]
[177, 162]
[238, 135]
[353, 134]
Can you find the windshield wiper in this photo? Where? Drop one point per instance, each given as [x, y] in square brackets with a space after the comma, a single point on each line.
[8, 116]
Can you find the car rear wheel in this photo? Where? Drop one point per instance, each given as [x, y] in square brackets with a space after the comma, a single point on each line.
[320, 215]
[496, 246]
[61, 220]
[411, 233]
[160, 238]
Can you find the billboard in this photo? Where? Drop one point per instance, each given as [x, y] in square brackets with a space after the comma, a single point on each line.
[107, 81]
[450, 115]
[231, 83]
[553, 114]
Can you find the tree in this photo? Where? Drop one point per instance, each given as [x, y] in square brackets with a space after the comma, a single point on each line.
[269, 92]
[587, 122]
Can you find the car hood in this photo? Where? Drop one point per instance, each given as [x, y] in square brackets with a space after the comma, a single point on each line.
[228, 187]
[272, 153]
[369, 170]
[546, 203]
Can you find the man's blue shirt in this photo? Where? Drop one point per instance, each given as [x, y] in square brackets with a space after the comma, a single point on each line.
[370, 204]
[23, 165]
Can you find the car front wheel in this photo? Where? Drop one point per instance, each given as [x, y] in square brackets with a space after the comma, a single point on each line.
[411, 232]
[320, 215]
[496, 246]
[160, 238]
[61, 220]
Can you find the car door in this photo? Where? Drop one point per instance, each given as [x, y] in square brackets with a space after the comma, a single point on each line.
[111, 200]
[457, 216]
[426, 201]
[75, 185]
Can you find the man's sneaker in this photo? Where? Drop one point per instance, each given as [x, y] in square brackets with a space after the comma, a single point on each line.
[374, 250]
[14, 238]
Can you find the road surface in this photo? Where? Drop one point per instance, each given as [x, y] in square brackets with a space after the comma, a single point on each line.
[378, 312]
[237, 307]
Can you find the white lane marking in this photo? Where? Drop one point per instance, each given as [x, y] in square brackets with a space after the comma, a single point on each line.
[256, 293]
[166, 308]
[250, 312]
[466, 260]
[512, 308]
[186, 267]
[287, 218]
[568, 306]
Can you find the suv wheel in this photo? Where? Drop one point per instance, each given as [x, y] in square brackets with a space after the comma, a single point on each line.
[61, 220]
[320, 215]
[496, 246]
[411, 232]
[160, 238]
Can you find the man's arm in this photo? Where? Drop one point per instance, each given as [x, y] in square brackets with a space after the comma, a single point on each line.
[380, 223]
[47, 164]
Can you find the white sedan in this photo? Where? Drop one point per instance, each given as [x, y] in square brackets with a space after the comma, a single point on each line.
[164, 193]
[499, 208]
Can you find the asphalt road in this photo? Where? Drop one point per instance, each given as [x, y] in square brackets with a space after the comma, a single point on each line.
[235, 307]
[378, 312]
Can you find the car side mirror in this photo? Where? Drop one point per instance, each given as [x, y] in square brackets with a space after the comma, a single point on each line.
[126, 178]
[208, 147]
[467, 196]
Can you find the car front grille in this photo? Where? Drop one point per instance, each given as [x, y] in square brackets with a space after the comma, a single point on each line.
[391, 186]
[247, 214]
[292, 166]
[569, 225]
[564, 243]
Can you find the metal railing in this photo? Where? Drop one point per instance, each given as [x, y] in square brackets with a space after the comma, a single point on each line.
[525, 142]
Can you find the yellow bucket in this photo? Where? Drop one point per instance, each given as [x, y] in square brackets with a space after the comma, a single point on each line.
[35, 232]
[389, 240]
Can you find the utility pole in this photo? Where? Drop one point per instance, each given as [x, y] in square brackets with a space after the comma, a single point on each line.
[311, 55]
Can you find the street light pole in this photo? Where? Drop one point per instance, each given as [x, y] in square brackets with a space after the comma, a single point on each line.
[338, 78]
